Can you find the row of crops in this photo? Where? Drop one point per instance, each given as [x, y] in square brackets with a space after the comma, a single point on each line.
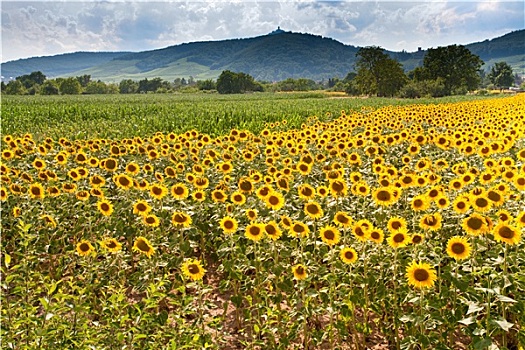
[395, 226]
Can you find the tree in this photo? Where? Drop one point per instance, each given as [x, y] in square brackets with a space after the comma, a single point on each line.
[49, 87]
[235, 83]
[207, 84]
[128, 86]
[70, 86]
[377, 73]
[455, 64]
[15, 87]
[84, 80]
[35, 78]
[501, 75]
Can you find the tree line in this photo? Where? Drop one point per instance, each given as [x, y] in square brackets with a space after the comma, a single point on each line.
[449, 70]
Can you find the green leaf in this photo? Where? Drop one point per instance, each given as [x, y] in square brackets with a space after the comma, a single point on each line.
[503, 324]
[7, 260]
[467, 321]
[482, 344]
[140, 336]
[473, 307]
[505, 299]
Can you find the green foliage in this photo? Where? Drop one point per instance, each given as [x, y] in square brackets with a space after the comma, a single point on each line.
[455, 64]
[15, 87]
[423, 88]
[70, 86]
[377, 73]
[235, 83]
[501, 75]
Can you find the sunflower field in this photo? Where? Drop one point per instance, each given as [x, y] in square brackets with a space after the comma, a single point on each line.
[396, 227]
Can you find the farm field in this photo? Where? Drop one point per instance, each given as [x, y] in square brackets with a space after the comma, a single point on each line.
[262, 222]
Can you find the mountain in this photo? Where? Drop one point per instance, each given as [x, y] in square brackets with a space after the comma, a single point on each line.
[273, 57]
[58, 65]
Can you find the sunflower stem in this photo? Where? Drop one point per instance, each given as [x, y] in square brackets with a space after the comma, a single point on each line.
[396, 326]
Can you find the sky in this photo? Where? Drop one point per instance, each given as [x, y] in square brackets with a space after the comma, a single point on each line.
[43, 28]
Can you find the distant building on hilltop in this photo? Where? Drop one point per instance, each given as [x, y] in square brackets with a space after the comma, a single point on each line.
[277, 31]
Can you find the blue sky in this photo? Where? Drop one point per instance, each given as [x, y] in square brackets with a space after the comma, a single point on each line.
[41, 28]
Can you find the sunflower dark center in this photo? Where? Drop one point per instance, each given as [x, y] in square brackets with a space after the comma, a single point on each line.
[298, 228]
[274, 200]
[421, 275]
[179, 190]
[359, 232]
[180, 218]
[84, 247]
[270, 229]
[141, 207]
[104, 207]
[111, 244]
[329, 234]
[299, 270]
[461, 205]
[398, 238]
[193, 269]
[482, 202]
[475, 223]
[417, 239]
[384, 196]
[342, 219]
[312, 209]
[124, 181]
[349, 255]
[337, 186]
[375, 235]
[307, 192]
[150, 220]
[255, 230]
[143, 246]
[506, 232]
[458, 248]
[418, 203]
[157, 191]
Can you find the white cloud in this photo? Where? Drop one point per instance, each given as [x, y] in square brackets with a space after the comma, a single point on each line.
[51, 27]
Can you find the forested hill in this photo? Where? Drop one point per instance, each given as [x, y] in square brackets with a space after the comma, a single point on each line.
[271, 57]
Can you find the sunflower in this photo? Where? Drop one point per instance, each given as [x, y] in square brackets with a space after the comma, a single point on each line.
[49, 220]
[298, 229]
[420, 275]
[458, 248]
[193, 269]
[481, 204]
[97, 181]
[151, 220]
[475, 224]
[180, 219]
[442, 202]
[431, 222]
[251, 214]
[158, 191]
[417, 238]
[82, 195]
[398, 239]
[274, 200]
[420, 203]
[111, 244]
[3, 194]
[238, 198]
[245, 185]
[342, 219]
[272, 230]
[330, 235]
[132, 168]
[385, 196]
[39, 164]
[497, 198]
[299, 272]
[254, 232]
[338, 188]
[143, 246]
[69, 187]
[105, 207]
[286, 222]
[313, 210]
[36, 191]
[306, 192]
[348, 255]
[179, 191]
[461, 204]
[396, 224]
[199, 195]
[504, 232]
[84, 248]
[141, 207]
[228, 225]
[376, 235]
[16, 212]
[219, 196]
[110, 164]
[123, 181]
